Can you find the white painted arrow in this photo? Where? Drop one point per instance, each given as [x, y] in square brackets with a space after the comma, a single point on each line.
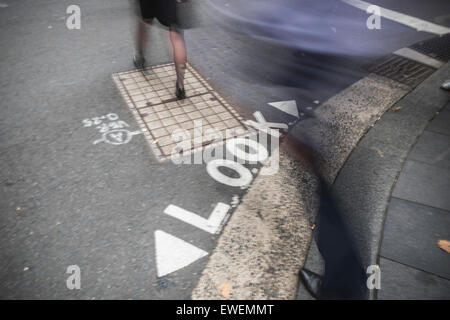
[173, 254]
[290, 107]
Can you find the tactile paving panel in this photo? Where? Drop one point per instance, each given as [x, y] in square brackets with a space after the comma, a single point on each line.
[150, 95]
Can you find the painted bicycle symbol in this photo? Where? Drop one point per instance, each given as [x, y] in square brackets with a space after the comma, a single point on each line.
[112, 129]
[117, 137]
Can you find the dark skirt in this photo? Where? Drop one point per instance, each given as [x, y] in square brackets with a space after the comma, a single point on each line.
[163, 10]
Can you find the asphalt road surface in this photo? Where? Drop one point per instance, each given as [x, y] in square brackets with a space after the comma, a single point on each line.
[65, 201]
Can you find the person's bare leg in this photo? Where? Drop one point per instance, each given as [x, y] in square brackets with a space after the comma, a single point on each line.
[141, 42]
[179, 55]
[141, 37]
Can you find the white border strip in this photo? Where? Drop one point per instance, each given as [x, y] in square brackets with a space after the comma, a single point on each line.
[419, 57]
[416, 23]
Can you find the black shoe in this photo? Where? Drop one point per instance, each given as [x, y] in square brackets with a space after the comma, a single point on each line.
[139, 61]
[312, 282]
[180, 93]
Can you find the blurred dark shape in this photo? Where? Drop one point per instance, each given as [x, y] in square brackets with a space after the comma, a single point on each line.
[291, 43]
[301, 49]
[344, 276]
[310, 25]
[187, 14]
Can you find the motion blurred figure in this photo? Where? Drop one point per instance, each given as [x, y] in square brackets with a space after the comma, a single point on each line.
[308, 26]
[344, 276]
[166, 13]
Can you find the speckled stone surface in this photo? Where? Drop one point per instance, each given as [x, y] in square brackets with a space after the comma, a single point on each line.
[263, 246]
[342, 120]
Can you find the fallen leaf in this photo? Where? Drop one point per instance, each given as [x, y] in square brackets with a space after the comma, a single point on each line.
[380, 153]
[225, 289]
[396, 108]
[444, 245]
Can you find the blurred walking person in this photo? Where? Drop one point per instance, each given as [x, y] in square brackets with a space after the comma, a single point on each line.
[308, 26]
[166, 13]
[344, 276]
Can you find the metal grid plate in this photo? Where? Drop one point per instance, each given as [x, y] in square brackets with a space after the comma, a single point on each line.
[403, 70]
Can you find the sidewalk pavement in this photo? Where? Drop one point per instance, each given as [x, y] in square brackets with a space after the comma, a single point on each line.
[412, 264]
[394, 190]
